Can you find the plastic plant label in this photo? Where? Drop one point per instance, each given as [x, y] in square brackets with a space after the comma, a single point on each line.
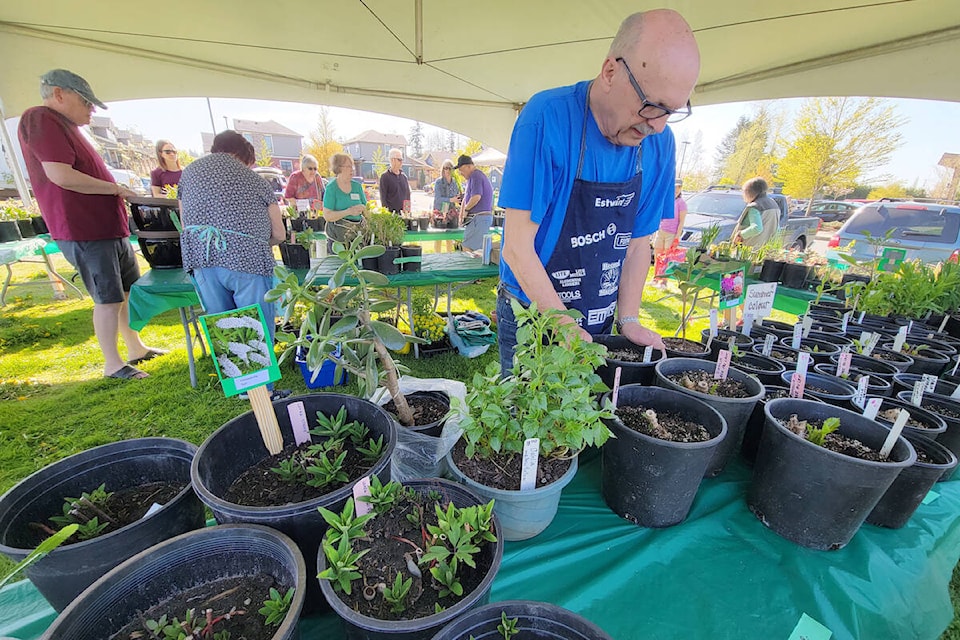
[803, 362]
[531, 458]
[843, 364]
[916, 397]
[930, 497]
[909, 326]
[844, 321]
[810, 629]
[647, 353]
[616, 385]
[713, 323]
[731, 342]
[797, 335]
[861, 394]
[152, 510]
[871, 344]
[768, 344]
[895, 431]
[747, 324]
[929, 382]
[303, 205]
[956, 364]
[807, 325]
[943, 324]
[362, 488]
[872, 409]
[797, 382]
[900, 339]
[863, 314]
[956, 393]
[298, 422]
[723, 365]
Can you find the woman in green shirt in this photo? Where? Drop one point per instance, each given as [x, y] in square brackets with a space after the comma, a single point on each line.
[343, 201]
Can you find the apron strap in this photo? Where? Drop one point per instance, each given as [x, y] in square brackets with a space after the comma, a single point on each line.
[211, 235]
[583, 138]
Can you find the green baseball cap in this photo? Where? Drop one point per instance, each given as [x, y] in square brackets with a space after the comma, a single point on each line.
[69, 80]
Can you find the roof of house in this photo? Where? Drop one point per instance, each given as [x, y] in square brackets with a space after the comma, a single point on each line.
[207, 140]
[269, 127]
[371, 135]
[101, 121]
[436, 157]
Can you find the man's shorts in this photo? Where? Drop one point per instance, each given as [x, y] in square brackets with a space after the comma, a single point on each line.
[475, 228]
[108, 267]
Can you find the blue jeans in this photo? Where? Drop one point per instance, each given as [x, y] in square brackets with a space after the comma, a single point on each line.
[506, 333]
[224, 289]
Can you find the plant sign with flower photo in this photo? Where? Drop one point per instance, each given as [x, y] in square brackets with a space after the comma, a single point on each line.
[242, 353]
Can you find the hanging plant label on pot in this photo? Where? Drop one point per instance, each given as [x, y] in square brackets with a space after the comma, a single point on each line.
[360, 490]
[797, 336]
[895, 430]
[843, 363]
[768, 344]
[930, 382]
[861, 395]
[528, 470]
[916, 397]
[872, 409]
[723, 364]
[298, 422]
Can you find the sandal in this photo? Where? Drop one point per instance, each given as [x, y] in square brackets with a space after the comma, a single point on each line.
[126, 372]
[149, 355]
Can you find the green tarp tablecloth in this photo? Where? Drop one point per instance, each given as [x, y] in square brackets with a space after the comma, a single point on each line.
[159, 290]
[719, 575]
[436, 268]
[11, 252]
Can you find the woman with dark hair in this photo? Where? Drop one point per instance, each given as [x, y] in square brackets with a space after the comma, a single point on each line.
[231, 220]
[168, 170]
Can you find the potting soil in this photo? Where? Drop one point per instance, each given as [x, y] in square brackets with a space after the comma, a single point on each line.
[842, 444]
[426, 410]
[625, 355]
[704, 382]
[672, 425]
[889, 416]
[684, 345]
[502, 471]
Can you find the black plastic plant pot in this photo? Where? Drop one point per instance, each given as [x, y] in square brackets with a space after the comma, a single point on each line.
[835, 337]
[933, 425]
[631, 372]
[317, 224]
[767, 370]
[828, 388]
[26, 228]
[754, 429]
[877, 386]
[810, 495]
[789, 364]
[162, 253]
[820, 351]
[370, 264]
[947, 410]
[899, 361]
[722, 340]
[839, 308]
[735, 411]
[433, 429]
[535, 621]
[9, 231]
[39, 226]
[776, 325]
[153, 214]
[649, 481]
[385, 262]
[71, 568]
[678, 353]
[908, 490]
[771, 271]
[905, 382]
[359, 626]
[411, 251]
[873, 367]
[237, 446]
[928, 361]
[295, 256]
[182, 563]
[794, 275]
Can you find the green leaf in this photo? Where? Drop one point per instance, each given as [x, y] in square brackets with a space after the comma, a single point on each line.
[388, 334]
[373, 251]
[374, 278]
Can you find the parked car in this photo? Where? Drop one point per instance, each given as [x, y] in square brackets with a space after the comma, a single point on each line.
[130, 180]
[723, 206]
[928, 232]
[276, 179]
[829, 210]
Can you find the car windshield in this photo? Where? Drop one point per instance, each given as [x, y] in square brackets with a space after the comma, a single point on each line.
[724, 205]
[920, 225]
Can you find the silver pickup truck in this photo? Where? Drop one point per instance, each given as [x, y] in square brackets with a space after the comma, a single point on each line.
[723, 206]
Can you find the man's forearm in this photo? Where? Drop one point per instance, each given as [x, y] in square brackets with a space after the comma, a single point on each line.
[66, 177]
[472, 202]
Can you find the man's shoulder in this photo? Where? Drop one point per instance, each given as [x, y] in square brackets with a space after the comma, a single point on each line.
[559, 103]
[40, 116]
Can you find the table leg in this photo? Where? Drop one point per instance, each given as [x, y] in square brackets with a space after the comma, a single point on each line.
[6, 285]
[186, 332]
[58, 281]
[413, 331]
[196, 330]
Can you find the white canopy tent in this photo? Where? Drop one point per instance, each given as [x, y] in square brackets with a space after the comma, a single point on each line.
[466, 67]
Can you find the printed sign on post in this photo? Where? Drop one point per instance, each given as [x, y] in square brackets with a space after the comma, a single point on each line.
[239, 346]
[731, 289]
[759, 300]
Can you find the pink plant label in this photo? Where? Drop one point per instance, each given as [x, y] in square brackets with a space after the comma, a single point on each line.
[298, 422]
[616, 385]
[843, 364]
[723, 365]
[768, 344]
[361, 489]
[873, 407]
[797, 382]
[531, 458]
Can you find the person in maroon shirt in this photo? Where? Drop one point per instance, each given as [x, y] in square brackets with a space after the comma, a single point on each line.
[84, 210]
[168, 169]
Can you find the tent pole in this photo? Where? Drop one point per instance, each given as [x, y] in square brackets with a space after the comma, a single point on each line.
[12, 162]
[418, 21]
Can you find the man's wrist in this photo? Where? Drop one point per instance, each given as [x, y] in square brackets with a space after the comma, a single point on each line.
[627, 320]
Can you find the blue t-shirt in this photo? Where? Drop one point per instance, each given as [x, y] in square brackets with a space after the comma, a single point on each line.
[542, 165]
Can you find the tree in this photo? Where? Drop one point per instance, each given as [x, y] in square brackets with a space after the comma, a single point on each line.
[416, 139]
[835, 142]
[893, 190]
[451, 141]
[322, 144]
[435, 140]
[749, 149]
[728, 145]
[184, 157]
[264, 158]
[379, 160]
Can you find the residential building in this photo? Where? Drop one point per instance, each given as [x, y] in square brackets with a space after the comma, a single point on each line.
[282, 143]
[369, 144]
[122, 148]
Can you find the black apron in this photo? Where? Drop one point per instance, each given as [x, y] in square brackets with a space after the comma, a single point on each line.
[597, 228]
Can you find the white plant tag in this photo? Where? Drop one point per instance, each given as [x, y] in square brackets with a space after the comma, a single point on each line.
[713, 323]
[843, 364]
[362, 488]
[844, 321]
[807, 325]
[956, 392]
[871, 344]
[803, 362]
[895, 430]
[863, 314]
[797, 382]
[917, 396]
[900, 339]
[647, 353]
[797, 335]
[303, 205]
[531, 457]
[616, 385]
[943, 324]
[860, 397]
[909, 326]
[152, 510]
[298, 422]
[768, 344]
[723, 365]
[872, 409]
[956, 364]
[929, 383]
[747, 324]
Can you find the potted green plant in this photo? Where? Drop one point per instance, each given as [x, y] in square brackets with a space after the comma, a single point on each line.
[388, 230]
[548, 395]
[296, 254]
[9, 229]
[524, 619]
[691, 277]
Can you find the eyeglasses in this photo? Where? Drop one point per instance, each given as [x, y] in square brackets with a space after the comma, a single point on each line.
[86, 102]
[169, 151]
[309, 168]
[652, 110]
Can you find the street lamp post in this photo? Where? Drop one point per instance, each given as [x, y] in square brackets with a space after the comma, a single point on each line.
[683, 157]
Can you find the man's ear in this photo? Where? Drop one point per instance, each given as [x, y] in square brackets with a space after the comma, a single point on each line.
[607, 72]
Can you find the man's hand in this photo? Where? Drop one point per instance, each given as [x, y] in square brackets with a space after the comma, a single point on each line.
[642, 336]
[125, 193]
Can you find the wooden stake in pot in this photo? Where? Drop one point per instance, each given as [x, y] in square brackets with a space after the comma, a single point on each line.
[266, 419]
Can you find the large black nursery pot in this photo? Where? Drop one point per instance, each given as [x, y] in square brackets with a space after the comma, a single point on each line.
[649, 481]
[876, 385]
[631, 372]
[831, 335]
[722, 341]
[810, 495]
[414, 251]
[180, 564]
[26, 228]
[754, 428]
[238, 446]
[794, 275]
[870, 366]
[385, 262]
[9, 231]
[929, 361]
[905, 382]
[933, 425]
[771, 270]
[820, 351]
[71, 568]
[362, 627]
[39, 226]
[908, 490]
[736, 411]
[899, 361]
[703, 352]
[947, 410]
[787, 356]
[829, 389]
[767, 370]
[535, 621]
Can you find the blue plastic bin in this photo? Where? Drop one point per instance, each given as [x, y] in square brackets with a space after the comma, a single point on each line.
[325, 377]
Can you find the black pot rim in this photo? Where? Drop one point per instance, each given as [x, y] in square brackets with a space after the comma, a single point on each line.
[699, 364]
[628, 432]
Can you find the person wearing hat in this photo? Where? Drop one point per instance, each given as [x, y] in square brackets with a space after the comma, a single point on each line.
[668, 235]
[83, 207]
[589, 175]
[476, 205]
[394, 188]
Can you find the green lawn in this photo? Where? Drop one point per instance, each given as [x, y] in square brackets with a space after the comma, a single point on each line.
[54, 401]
